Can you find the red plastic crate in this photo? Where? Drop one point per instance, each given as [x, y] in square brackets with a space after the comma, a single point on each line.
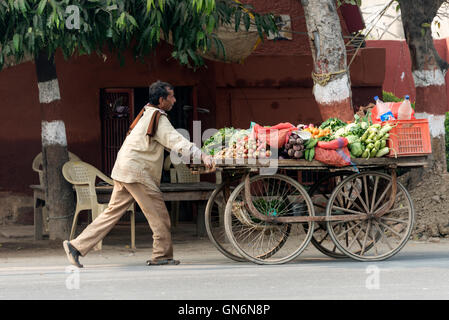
[409, 138]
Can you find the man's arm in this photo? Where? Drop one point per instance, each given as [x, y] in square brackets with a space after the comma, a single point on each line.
[167, 135]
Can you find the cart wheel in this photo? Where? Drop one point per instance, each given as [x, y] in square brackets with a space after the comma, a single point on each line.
[214, 220]
[375, 238]
[263, 242]
[320, 194]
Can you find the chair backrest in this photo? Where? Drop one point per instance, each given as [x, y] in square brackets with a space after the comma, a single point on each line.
[180, 173]
[37, 165]
[184, 175]
[83, 176]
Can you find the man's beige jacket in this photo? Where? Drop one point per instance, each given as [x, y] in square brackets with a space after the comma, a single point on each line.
[141, 158]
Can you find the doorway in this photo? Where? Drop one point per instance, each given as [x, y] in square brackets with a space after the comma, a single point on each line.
[120, 106]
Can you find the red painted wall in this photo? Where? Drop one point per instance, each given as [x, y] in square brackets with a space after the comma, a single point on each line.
[264, 83]
[398, 75]
[300, 43]
[80, 81]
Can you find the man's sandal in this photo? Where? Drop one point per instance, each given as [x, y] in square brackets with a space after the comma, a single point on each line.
[163, 262]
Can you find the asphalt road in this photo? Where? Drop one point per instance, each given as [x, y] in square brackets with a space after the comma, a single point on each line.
[419, 271]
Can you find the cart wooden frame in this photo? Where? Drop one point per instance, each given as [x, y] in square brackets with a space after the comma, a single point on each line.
[369, 215]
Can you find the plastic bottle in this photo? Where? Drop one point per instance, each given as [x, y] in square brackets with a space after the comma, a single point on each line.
[405, 109]
[383, 110]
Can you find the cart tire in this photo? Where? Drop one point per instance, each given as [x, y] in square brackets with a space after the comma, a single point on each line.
[321, 239]
[214, 220]
[375, 238]
[263, 242]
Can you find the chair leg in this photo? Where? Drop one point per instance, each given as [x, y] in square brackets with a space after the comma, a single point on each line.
[133, 230]
[200, 224]
[75, 221]
[38, 219]
[174, 213]
[178, 204]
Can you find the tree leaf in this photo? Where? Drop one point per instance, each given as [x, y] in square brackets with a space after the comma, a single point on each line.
[199, 5]
[22, 6]
[41, 6]
[210, 24]
[132, 20]
[150, 3]
[238, 15]
[199, 37]
[16, 42]
[246, 20]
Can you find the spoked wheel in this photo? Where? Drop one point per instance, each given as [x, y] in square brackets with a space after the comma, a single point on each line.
[320, 194]
[376, 237]
[264, 242]
[214, 220]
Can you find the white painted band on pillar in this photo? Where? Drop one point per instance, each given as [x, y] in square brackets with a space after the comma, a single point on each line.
[436, 123]
[334, 91]
[426, 78]
[49, 91]
[53, 133]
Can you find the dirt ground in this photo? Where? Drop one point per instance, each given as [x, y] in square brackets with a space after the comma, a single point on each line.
[430, 194]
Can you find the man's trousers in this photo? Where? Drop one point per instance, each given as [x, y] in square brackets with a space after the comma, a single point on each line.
[153, 206]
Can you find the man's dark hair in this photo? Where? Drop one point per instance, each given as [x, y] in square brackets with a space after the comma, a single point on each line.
[159, 89]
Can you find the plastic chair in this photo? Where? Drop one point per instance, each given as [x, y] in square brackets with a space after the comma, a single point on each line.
[179, 173]
[83, 175]
[37, 167]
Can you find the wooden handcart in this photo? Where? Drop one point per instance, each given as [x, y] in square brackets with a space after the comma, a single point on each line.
[359, 211]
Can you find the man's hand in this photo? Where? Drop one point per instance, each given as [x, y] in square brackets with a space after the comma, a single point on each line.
[208, 161]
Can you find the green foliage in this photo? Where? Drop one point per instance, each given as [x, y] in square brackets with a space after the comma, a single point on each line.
[30, 26]
[390, 97]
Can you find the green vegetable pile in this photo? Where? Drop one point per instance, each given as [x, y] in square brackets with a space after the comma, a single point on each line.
[333, 124]
[365, 139]
[374, 141]
[310, 149]
[218, 141]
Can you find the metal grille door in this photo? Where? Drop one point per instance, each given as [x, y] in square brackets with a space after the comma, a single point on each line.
[117, 106]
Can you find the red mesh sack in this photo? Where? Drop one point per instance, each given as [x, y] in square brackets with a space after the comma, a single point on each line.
[333, 144]
[337, 158]
[274, 136]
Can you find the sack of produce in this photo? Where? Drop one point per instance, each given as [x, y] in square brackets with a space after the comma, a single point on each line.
[333, 157]
[333, 144]
[273, 136]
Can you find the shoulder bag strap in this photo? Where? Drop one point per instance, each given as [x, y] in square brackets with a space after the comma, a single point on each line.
[152, 127]
[135, 121]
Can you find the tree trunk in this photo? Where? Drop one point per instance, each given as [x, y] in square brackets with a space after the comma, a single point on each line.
[428, 71]
[58, 192]
[332, 87]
